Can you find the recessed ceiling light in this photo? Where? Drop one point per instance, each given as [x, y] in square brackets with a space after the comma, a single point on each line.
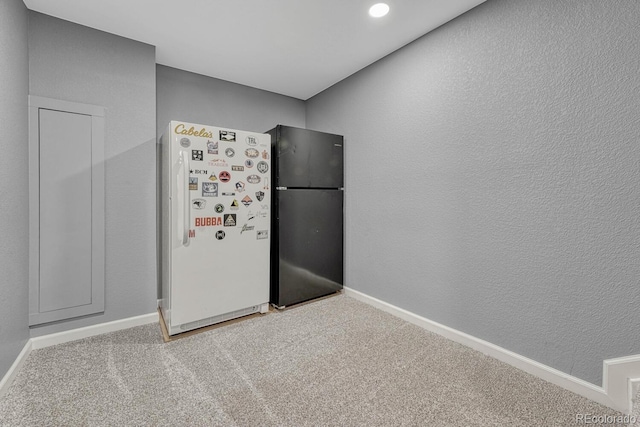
[379, 10]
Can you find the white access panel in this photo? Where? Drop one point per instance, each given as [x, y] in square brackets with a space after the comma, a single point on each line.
[66, 210]
[215, 224]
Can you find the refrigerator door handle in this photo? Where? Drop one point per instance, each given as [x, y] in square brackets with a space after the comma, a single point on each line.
[187, 195]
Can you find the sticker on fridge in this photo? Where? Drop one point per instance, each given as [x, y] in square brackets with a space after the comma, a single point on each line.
[252, 141]
[259, 195]
[224, 176]
[212, 147]
[262, 234]
[235, 205]
[237, 168]
[227, 136]
[193, 183]
[185, 142]
[197, 155]
[209, 221]
[218, 163]
[247, 201]
[230, 220]
[248, 163]
[240, 186]
[219, 234]
[251, 152]
[262, 166]
[209, 189]
[230, 152]
[199, 203]
[247, 228]
[253, 179]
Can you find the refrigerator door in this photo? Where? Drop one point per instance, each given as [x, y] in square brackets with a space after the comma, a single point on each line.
[308, 159]
[310, 237]
[219, 221]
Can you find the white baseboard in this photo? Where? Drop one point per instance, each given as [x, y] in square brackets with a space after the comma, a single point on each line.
[616, 372]
[634, 387]
[8, 378]
[615, 378]
[93, 330]
[71, 335]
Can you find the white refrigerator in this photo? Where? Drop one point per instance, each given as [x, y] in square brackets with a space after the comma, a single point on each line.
[214, 229]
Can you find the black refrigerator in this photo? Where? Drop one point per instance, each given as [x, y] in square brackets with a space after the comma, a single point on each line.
[307, 215]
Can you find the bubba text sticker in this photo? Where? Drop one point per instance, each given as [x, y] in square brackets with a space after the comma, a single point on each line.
[208, 221]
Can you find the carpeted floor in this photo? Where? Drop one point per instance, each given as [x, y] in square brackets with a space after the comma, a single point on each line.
[334, 362]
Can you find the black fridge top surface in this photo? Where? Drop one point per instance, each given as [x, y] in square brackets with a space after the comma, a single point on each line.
[305, 158]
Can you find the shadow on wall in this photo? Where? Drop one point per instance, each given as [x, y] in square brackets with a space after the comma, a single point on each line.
[130, 239]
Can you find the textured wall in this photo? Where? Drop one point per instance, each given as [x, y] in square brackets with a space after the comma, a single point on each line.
[79, 64]
[195, 98]
[14, 208]
[492, 178]
[199, 99]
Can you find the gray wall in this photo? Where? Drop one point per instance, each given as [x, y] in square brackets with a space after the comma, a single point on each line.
[492, 178]
[79, 64]
[195, 98]
[14, 86]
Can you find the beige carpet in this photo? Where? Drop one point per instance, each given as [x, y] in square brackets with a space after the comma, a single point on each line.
[334, 362]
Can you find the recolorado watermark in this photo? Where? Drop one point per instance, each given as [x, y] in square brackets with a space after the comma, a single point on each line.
[605, 419]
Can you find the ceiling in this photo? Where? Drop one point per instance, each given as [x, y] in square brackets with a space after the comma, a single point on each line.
[292, 47]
